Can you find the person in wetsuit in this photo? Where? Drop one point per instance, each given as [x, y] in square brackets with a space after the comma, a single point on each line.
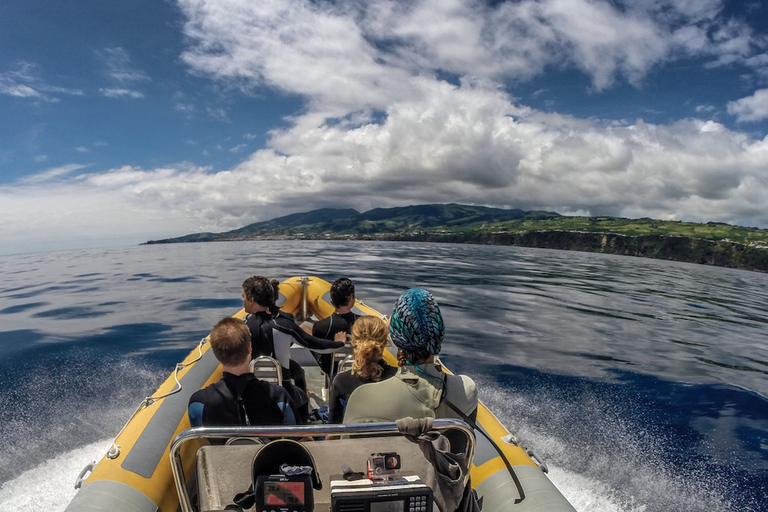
[369, 337]
[341, 321]
[273, 331]
[239, 398]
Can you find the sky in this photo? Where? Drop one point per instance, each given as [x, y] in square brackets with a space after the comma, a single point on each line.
[126, 121]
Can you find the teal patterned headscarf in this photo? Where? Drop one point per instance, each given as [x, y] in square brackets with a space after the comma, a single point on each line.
[417, 325]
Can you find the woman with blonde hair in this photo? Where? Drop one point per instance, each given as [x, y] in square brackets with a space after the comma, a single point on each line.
[369, 338]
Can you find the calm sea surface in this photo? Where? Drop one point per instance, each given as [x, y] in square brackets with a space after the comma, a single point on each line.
[642, 383]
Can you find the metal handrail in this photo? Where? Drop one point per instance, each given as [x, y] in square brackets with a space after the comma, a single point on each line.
[304, 282]
[274, 365]
[297, 431]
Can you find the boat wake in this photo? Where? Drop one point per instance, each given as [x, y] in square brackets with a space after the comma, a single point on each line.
[598, 460]
[50, 486]
[57, 409]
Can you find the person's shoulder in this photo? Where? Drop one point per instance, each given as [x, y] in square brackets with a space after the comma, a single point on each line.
[343, 378]
[197, 396]
[202, 394]
[253, 319]
[351, 317]
[284, 319]
[467, 385]
[283, 314]
[388, 370]
[275, 391]
[321, 326]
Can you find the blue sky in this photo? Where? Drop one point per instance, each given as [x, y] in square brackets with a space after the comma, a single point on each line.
[127, 121]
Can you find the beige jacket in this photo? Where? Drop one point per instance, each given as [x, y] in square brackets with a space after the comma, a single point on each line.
[415, 391]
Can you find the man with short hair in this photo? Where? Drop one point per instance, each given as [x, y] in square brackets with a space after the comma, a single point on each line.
[239, 398]
[343, 299]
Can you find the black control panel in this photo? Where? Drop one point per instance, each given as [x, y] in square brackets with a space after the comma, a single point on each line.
[405, 493]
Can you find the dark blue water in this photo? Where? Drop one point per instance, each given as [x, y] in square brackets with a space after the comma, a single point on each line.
[642, 383]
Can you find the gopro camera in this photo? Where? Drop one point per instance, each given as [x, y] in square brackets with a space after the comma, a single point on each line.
[382, 466]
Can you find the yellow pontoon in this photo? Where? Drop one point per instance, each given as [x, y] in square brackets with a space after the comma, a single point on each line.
[157, 463]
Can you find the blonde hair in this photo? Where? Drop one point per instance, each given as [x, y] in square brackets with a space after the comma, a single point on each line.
[369, 337]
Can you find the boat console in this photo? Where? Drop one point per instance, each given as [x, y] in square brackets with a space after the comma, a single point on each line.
[362, 468]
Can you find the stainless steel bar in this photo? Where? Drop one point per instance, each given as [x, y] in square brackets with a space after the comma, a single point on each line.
[304, 281]
[288, 431]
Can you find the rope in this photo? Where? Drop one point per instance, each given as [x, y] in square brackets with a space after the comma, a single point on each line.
[114, 450]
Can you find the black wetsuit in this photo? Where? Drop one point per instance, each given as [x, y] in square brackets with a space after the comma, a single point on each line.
[272, 333]
[241, 400]
[327, 328]
[343, 386]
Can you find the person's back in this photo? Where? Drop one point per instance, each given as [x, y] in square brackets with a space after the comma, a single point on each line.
[432, 394]
[339, 324]
[369, 338]
[420, 388]
[239, 398]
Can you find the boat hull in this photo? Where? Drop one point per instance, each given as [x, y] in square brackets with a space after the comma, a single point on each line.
[137, 477]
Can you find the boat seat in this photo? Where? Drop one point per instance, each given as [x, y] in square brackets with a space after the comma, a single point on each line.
[339, 356]
[346, 364]
[267, 369]
[224, 471]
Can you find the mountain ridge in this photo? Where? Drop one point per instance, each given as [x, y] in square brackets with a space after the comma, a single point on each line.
[712, 243]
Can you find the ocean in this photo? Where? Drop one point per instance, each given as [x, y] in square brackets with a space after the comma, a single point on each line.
[641, 383]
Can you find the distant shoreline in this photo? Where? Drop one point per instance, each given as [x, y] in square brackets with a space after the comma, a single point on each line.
[680, 248]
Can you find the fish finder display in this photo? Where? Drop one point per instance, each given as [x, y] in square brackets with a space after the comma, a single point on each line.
[284, 493]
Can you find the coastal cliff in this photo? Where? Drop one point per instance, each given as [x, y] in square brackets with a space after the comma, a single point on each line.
[666, 247]
[710, 243]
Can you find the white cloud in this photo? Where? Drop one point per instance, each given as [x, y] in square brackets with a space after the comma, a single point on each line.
[468, 144]
[751, 108]
[51, 174]
[121, 93]
[72, 215]
[186, 108]
[119, 67]
[121, 73]
[219, 114]
[361, 55]
[25, 82]
[379, 128]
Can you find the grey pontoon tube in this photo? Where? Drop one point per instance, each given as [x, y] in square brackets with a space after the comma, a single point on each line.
[292, 431]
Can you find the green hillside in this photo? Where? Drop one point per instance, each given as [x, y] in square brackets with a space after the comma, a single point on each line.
[711, 243]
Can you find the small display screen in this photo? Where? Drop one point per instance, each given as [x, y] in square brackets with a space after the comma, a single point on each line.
[284, 493]
[387, 506]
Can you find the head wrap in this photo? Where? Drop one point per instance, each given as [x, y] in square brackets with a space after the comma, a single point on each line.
[416, 324]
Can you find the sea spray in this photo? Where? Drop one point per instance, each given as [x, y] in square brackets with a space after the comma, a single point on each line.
[602, 456]
[68, 405]
[51, 485]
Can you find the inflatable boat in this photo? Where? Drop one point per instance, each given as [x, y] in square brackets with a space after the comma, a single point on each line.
[157, 463]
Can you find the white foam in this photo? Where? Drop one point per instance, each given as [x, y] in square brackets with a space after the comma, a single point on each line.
[51, 485]
[587, 494]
